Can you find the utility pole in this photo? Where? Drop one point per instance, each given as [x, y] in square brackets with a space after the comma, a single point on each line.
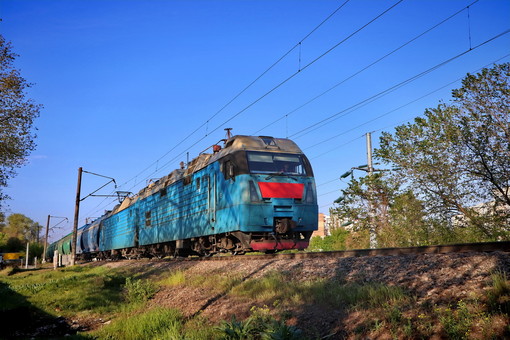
[369, 154]
[371, 213]
[47, 233]
[76, 214]
[77, 206]
[369, 169]
[26, 256]
[46, 239]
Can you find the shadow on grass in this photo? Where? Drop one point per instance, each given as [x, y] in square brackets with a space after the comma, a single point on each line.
[20, 319]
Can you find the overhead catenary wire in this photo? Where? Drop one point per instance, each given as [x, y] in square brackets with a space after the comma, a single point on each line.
[368, 66]
[276, 87]
[399, 123]
[307, 65]
[400, 107]
[160, 169]
[298, 44]
[372, 98]
[392, 111]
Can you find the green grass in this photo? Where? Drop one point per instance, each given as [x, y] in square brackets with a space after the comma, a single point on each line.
[176, 278]
[137, 291]
[215, 282]
[259, 325]
[279, 286]
[499, 293]
[69, 291]
[156, 323]
[115, 295]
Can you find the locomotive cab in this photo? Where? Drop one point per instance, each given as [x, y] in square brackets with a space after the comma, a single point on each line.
[272, 182]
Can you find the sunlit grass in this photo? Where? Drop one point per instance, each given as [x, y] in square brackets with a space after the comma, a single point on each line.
[156, 323]
[276, 285]
[176, 278]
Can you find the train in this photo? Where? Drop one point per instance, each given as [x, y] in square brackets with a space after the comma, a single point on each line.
[251, 194]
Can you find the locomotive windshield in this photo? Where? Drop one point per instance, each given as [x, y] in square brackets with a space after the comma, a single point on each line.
[275, 163]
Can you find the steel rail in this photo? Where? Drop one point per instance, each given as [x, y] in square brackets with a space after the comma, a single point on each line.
[503, 246]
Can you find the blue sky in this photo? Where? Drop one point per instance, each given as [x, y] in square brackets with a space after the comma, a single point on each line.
[124, 84]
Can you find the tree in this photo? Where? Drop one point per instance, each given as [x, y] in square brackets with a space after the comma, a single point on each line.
[366, 202]
[21, 227]
[335, 241]
[17, 115]
[378, 200]
[457, 157]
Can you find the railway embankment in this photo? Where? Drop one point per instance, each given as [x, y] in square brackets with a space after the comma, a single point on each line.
[452, 295]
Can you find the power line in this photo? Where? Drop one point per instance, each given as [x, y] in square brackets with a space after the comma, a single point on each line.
[261, 98]
[338, 147]
[358, 126]
[307, 65]
[367, 67]
[298, 44]
[394, 110]
[327, 193]
[331, 181]
[477, 70]
[370, 99]
[281, 83]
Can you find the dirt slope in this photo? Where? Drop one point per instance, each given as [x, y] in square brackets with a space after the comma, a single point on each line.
[442, 280]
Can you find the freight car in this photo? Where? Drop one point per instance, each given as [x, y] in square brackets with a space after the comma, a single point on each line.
[252, 194]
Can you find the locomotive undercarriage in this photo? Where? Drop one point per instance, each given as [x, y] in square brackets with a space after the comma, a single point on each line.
[236, 243]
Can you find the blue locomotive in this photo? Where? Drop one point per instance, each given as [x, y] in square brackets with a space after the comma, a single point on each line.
[254, 194]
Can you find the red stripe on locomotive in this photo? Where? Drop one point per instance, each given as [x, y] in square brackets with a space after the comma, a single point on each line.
[281, 190]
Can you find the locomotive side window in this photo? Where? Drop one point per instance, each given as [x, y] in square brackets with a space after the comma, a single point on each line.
[276, 163]
[148, 219]
[228, 170]
[186, 180]
[162, 192]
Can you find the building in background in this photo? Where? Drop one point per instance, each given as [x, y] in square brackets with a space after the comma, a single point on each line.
[324, 228]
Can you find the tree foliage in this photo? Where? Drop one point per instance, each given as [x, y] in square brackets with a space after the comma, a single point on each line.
[457, 157]
[335, 241]
[18, 230]
[17, 115]
[379, 201]
[453, 177]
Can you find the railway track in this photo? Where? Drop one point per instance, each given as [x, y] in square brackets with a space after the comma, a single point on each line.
[440, 249]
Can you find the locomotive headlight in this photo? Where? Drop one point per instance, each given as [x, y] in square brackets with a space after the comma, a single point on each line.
[309, 195]
[254, 195]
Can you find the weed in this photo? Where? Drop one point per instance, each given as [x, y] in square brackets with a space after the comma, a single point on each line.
[338, 295]
[198, 328]
[499, 294]
[218, 283]
[393, 314]
[273, 285]
[278, 330]
[237, 330]
[260, 325]
[456, 322]
[176, 278]
[139, 290]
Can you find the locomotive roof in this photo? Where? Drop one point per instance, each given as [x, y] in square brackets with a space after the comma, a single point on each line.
[255, 143]
[235, 143]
